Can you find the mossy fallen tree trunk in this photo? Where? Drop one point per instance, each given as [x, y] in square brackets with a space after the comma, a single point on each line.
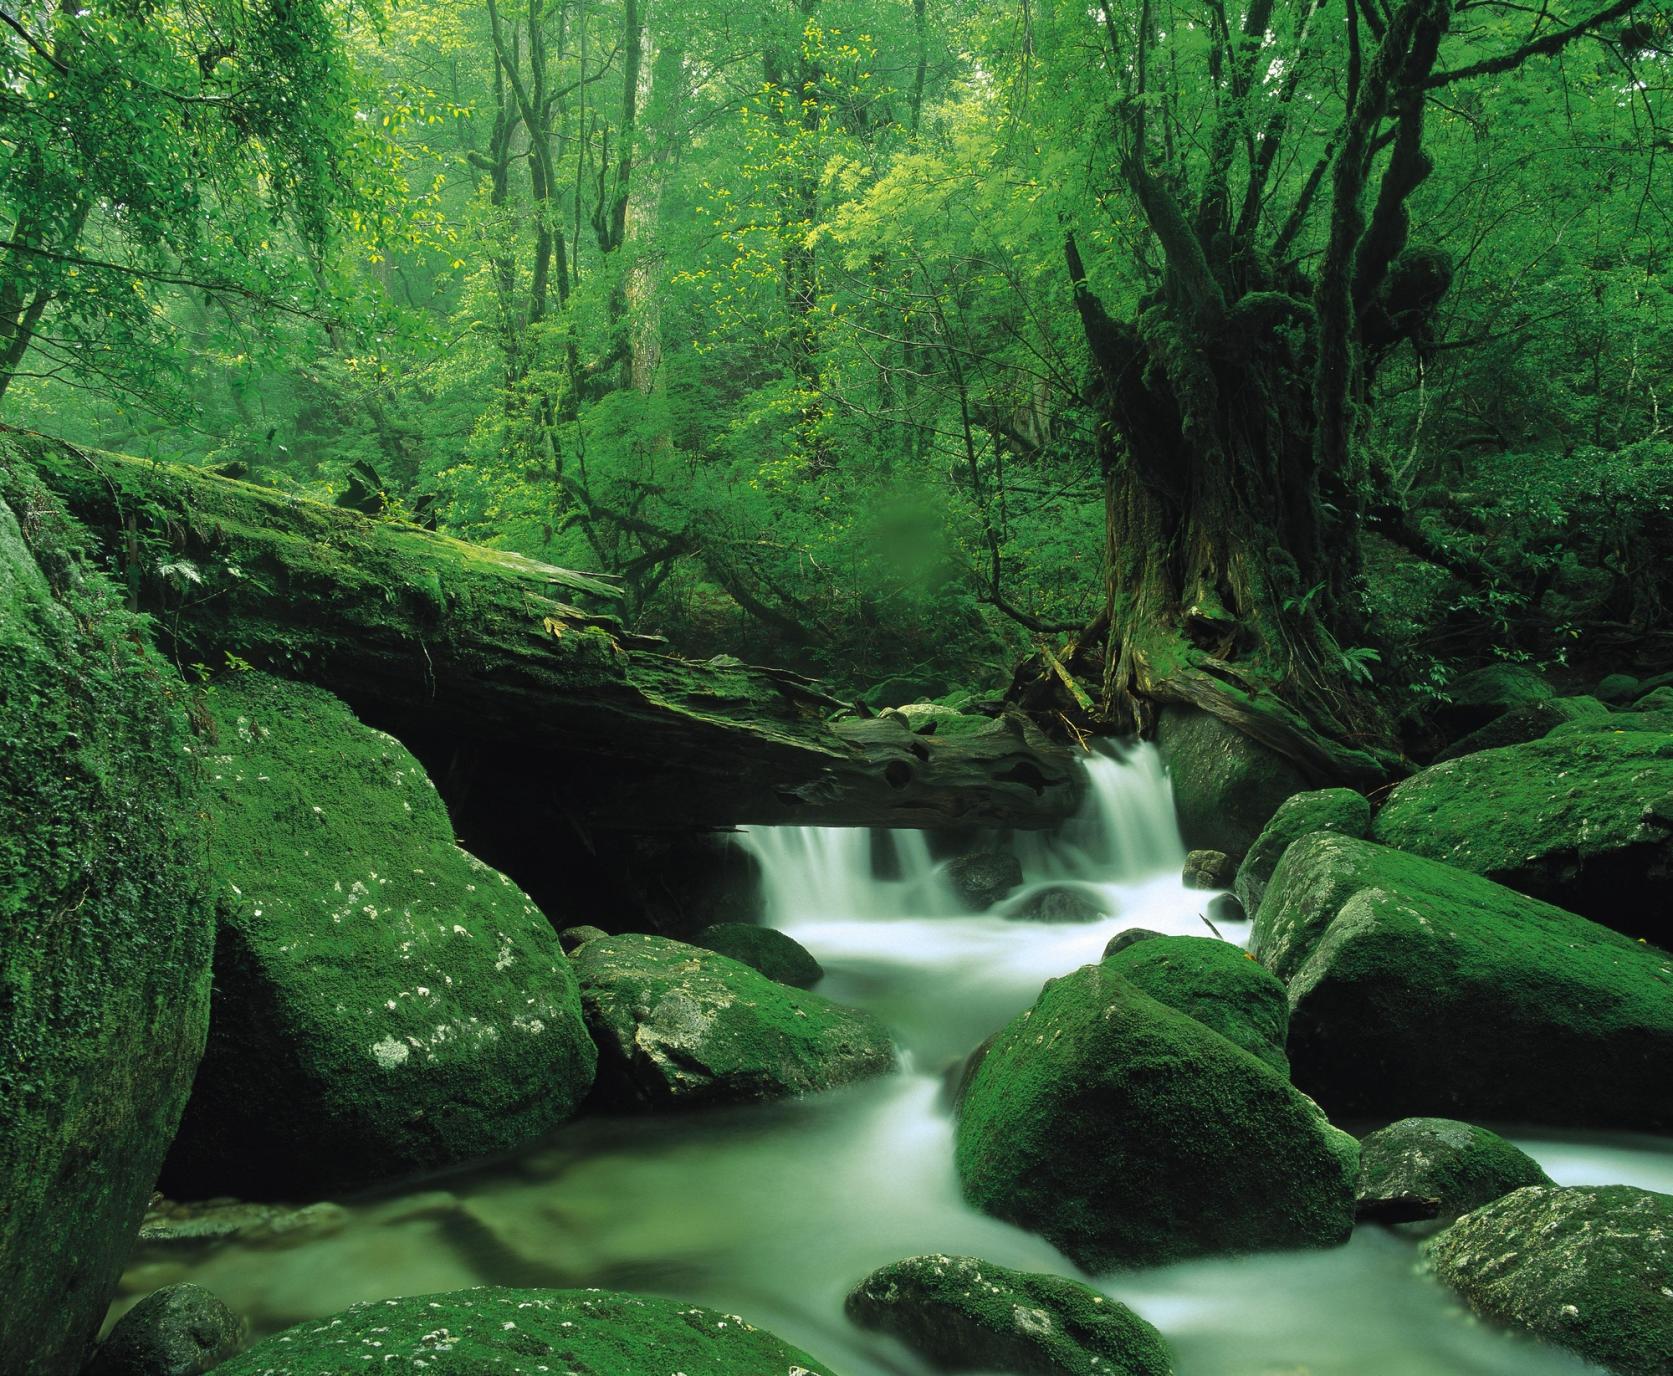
[453, 644]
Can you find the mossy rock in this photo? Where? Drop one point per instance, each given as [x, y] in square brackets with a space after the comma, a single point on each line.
[1435, 1169]
[1587, 1268]
[1129, 1134]
[965, 1314]
[1058, 903]
[384, 1002]
[678, 1025]
[1327, 809]
[1416, 988]
[527, 1333]
[1529, 722]
[1617, 689]
[1584, 821]
[1483, 694]
[766, 949]
[106, 928]
[1225, 785]
[1220, 985]
[1656, 700]
[180, 1330]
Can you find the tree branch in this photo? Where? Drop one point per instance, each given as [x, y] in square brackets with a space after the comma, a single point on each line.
[1551, 43]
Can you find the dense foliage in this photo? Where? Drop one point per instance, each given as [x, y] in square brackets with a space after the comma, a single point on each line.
[766, 311]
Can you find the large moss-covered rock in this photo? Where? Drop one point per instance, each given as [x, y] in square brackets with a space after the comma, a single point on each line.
[527, 1333]
[1425, 1169]
[1527, 723]
[765, 949]
[1416, 988]
[1226, 786]
[105, 929]
[1327, 809]
[180, 1330]
[384, 1002]
[1590, 1269]
[1218, 984]
[676, 1024]
[1130, 1134]
[965, 1314]
[1583, 820]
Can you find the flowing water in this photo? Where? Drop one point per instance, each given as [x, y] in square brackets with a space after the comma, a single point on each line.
[774, 1211]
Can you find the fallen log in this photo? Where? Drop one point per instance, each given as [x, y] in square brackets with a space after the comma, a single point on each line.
[465, 651]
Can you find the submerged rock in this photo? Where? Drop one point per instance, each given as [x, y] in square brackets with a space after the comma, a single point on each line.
[1130, 1134]
[1422, 1169]
[1588, 1268]
[1416, 988]
[1582, 820]
[527, 1333]
[182, 1330]
[1060, 903]
[1220, 985]
[171, 1221]
[1328, 809]
[1208, 869]
[1225, 785]
[981, 880]
[765, 949]
[965, 1314]
[384, 1002]
[676, 1024]
[105, 928]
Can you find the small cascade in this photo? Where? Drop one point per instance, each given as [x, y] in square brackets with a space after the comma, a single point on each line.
[809, 873]
[1126, 829]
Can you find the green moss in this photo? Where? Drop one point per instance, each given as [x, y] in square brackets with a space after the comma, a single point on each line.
[1130, 1134]
[1218, 984]
[1528, 722]
[965, 1314]
[676, 1024]
[1583, 820]
[527, 1333]
[1329, 809]
[409, 1007]
[1416, 988]
[1589, 1269]
[1226, 786]
[104, 927]
[765, 949]
[1421, 1169]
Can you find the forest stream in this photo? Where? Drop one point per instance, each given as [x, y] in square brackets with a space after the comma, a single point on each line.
[773, 1212]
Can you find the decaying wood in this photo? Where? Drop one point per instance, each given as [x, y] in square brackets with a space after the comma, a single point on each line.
[452, 644]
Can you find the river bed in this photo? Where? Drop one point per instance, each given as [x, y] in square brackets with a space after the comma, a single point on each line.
[773, 1212]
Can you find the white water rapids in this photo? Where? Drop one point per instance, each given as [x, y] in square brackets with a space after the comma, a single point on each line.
[774, 1212]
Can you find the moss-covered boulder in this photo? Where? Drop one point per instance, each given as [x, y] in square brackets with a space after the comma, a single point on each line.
[1416, 988]
[105, 929]
[1225, 785]
[1429, 1169]
[965, 1314]
[1220, 985]
[384, 1002]
[1483, 694]
[676, 1025]
[1208, 869]
[765, 949]
[1527, 723]
[1327, 809]
[180, 1330]
[1582, 820]
[1617, 689]
[514, 1332]
[1129, 1134]
[1589, 1269]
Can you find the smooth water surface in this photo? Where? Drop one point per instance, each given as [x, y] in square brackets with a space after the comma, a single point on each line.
[774, 1212]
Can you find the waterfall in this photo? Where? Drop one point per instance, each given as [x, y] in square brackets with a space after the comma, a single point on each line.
[1125, 832]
